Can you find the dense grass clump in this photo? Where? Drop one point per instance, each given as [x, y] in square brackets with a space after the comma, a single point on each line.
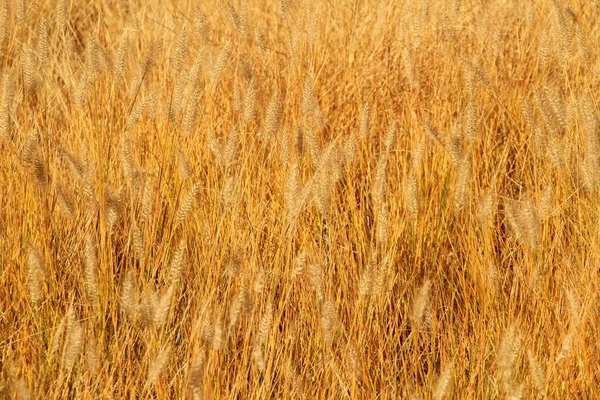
[299, 199]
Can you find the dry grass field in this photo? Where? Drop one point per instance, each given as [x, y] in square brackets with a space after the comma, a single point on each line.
[303, 199]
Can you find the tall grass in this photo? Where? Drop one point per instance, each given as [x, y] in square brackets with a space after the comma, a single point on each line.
[299, 199]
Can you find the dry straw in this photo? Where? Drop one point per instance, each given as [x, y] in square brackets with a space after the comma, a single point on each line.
[256, 209]
[354, 361]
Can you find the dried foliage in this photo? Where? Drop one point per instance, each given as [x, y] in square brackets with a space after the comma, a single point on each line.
[299, 199]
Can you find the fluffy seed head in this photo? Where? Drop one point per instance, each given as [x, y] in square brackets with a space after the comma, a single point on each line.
[43, 46]
[217, 341]
[91, 354]
[231, 147]
[180, 49]
[90, 269]
[201, 26]
[5, 106]
[365, 124]
[177, 263]
[215, 146]
[523, 218]
[119, 62]
[138, 243]
[412, 195]
[546, 207]
[485, 208]
[58, 335]
[507, 356]
[217, 65]
[272, 117]
[136, 113]
[538, 375]
[35, 272]
[382, 226]
[146, 206]
[420, 304]
[463, 177]
[4, 23]
[328, 320]
[443, 383]
[265, 324]
[185, 170]
[390, 137]
[250, 102]
[163, 307]
[470, 122]
[128, 297]
[187, 203]
[74, 340]
[238, 307]
[365, 285]
[29, 68]
[258, 355]
[158, 364]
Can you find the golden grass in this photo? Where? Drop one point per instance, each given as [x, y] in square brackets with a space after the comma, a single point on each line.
[299, 199]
